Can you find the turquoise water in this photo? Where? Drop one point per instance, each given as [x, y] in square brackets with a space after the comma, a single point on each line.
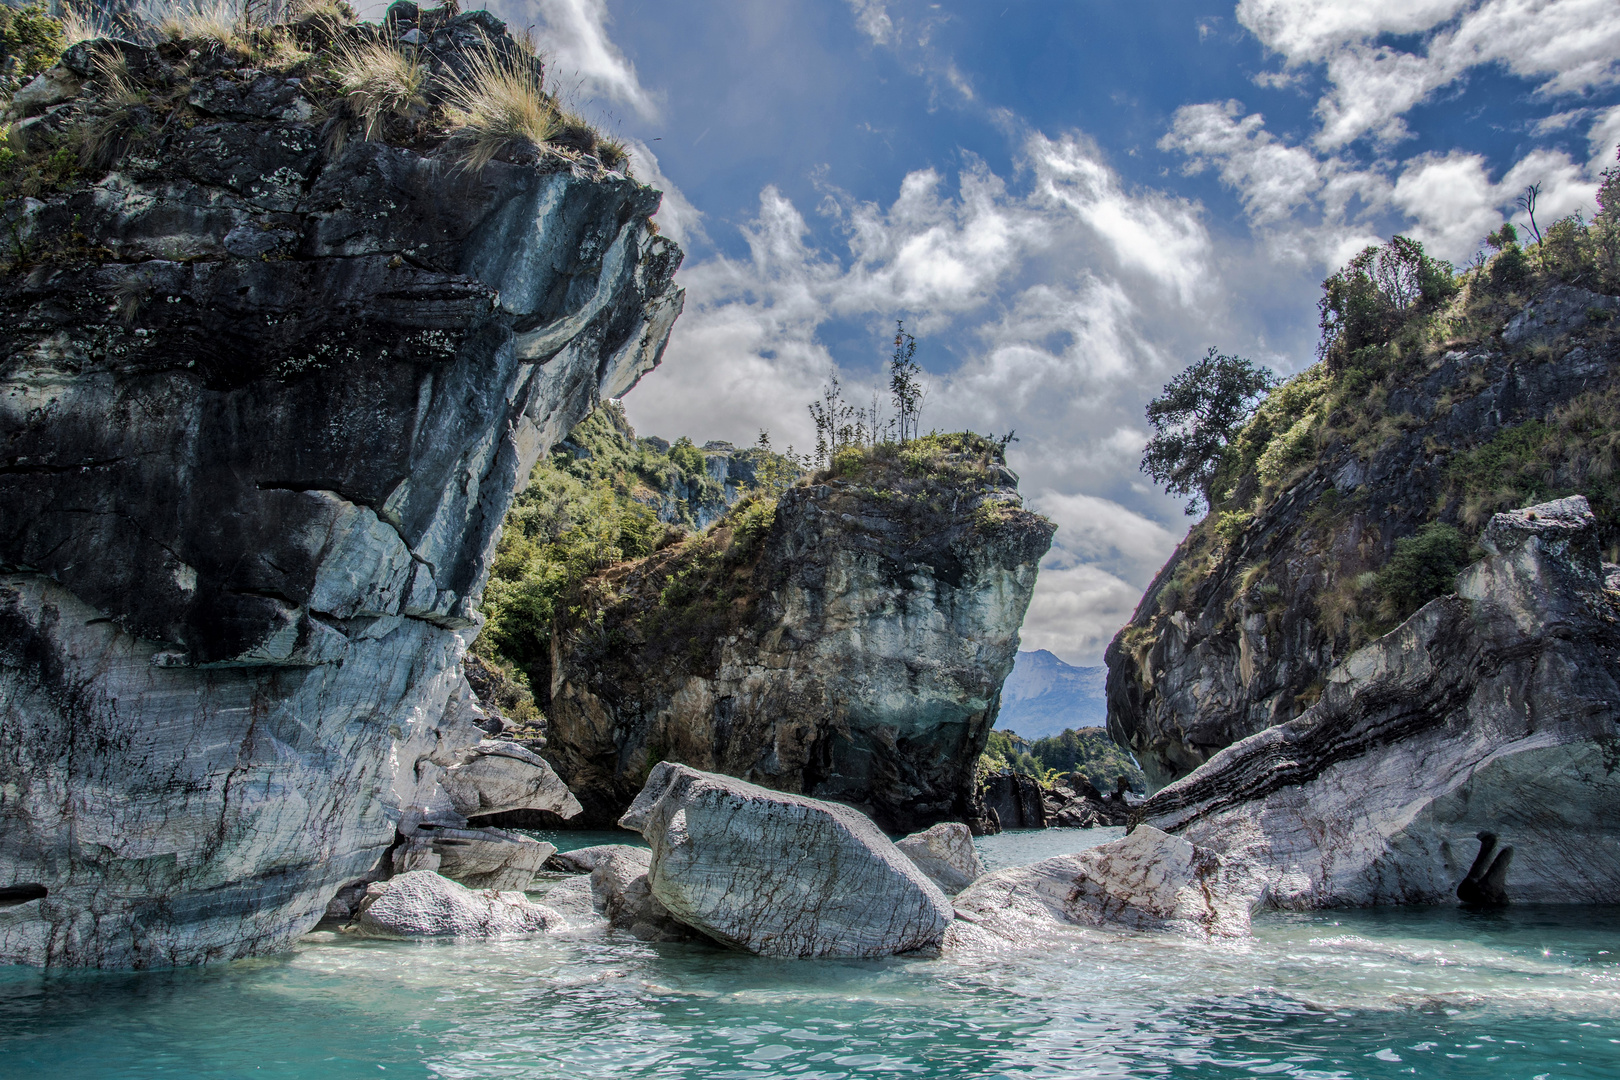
[1524, 993]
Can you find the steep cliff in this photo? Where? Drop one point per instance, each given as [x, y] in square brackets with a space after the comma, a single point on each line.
[846, 641]
[267, 393]
[1494, 711]
[1358, 489]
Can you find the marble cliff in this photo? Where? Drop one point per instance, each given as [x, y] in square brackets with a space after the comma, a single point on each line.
[265, 396]
[847, 640]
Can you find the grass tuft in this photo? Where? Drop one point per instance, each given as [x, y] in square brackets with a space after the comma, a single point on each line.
[379, 81]
[497, 103]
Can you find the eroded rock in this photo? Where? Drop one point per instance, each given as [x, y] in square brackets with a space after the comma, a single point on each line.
[944, 852]
[424, 904]
[1492, 710]
[780, 875]
[1147, 880]
[622, 894]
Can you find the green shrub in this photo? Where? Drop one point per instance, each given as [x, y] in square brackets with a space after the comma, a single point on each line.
[1367, 302]
[1229, 524]
[30, 39]
[1091, 752]
[1423, 567]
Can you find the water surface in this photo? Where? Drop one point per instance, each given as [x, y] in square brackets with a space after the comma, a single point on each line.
[1432, 992]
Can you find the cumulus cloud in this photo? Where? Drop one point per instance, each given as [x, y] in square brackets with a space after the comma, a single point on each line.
[582, 59]
[1564, 46]
[1052, 309]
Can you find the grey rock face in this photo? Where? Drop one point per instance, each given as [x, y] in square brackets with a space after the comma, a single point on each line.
[861, 661]
[1013, 801]
[423, 904]
[581, 860]
[623, 894]
[780, 875]
[1495, 709]
[256, 453]
[944, 852]
[1198, 669]
[1144, 881]
[477, 858]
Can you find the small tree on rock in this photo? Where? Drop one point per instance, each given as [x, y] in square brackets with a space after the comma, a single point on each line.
[1196, 417]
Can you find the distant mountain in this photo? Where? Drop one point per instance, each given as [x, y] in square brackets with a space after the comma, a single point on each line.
[1043, 696]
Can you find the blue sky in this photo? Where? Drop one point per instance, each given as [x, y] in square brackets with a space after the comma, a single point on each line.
[1067, 201]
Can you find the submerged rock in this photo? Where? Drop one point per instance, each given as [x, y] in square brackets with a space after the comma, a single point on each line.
[1144, 881]
[263, 407]
[424, 904]
[1494, 710]
[622, 894]
[780, 875]
[944, 852]
[848, 642]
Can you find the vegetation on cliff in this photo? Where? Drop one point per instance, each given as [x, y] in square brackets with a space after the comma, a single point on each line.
[604, 497]
[453, 85]
[1088, 751]
[1356, 489]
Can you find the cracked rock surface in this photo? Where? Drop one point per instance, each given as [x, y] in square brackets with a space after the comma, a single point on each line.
[780, 875]
[260, 421]
[1495, 708]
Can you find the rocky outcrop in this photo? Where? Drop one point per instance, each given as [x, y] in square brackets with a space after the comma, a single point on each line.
[848, 642]
[264, 406]
[1145, 881]
[944, 852]
[423, 904]
[780, 875]
[477, 858]
[1265, 597]
[623, 894]
[1013, 801]
[1493, 711]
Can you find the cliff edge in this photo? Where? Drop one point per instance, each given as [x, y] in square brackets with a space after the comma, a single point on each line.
[268, 381]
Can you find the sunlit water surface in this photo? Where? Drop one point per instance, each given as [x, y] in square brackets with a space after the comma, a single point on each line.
[1528, 992]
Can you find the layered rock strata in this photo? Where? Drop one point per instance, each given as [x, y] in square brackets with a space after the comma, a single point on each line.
[1494, 710]
[262, 409]
[849, 643]
[780, 875]
[944, 852]
[1145, 881]
[1237, 633]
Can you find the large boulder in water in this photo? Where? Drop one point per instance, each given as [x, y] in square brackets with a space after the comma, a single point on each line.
[780, 875]
[623, 895]
[1144, 881]
[424, 904]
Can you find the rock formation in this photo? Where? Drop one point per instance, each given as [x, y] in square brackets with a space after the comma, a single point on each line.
[1144, 881]
[944, 852]
[1494, 710]
[623, 894]
[264, 405]
[424, 904]
[780, 875]
[1264, 598]
[848, 642]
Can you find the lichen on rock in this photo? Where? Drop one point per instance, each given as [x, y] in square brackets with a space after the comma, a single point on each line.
[264, 402]
[847, 640]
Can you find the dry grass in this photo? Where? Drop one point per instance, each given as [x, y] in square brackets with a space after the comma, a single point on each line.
[100, 140]
[379, 81]
[223, 21]
[82, 23]
[497, 104]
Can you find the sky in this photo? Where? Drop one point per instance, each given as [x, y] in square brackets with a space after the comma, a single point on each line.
[1067, 203]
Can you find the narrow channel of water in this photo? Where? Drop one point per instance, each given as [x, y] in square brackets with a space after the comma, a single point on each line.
[1430, 992]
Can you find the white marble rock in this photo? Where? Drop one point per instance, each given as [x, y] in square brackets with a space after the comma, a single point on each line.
[944, 852]
[424, 904]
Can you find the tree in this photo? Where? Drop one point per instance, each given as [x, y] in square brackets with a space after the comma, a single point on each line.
[1194, 419]
[905, 383]
[1366, 302]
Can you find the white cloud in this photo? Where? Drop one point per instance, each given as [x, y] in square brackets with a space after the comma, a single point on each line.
[1565, 46]
[1273, 179]
[1076, 611]
[1604, 139]
[582, 60]
[873, 20]
[677, 218]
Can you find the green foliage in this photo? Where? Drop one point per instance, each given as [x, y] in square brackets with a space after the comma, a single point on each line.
[30, 41]
[1367, 302]
[593, 503]
[1091, 752]
[1423, 567]
[1194, 420]
[1229, 524]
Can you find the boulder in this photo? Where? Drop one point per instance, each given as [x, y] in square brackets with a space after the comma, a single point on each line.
[1015, 801]
[424, 904]
[477, 858]
[581, 860]
[622, 894]
[499, 775]
[780, 875]
[944, 852]
[1492, 713]
[1147, 880]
